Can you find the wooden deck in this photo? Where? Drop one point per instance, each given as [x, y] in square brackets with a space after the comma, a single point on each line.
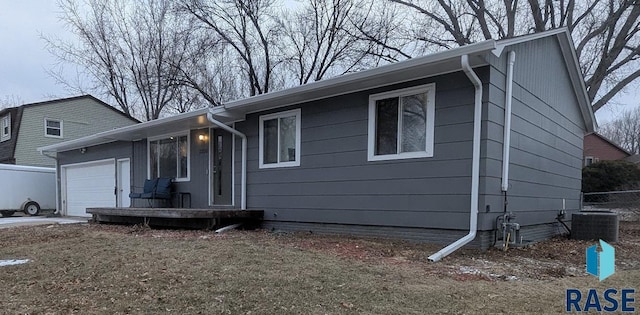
[207, 218]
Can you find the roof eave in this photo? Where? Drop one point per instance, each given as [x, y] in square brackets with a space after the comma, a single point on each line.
[573, 66]
[577, 80]
[337, 85]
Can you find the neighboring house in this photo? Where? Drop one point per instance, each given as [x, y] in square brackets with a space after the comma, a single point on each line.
[598, 148]
[411, 150]
[25, 128]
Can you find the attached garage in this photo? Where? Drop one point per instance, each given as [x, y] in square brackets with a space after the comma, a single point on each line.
[86, 185]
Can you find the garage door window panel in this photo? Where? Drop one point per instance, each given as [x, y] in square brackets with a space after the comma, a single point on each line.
[169, 157]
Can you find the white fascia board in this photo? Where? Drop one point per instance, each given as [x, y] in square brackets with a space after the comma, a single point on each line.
[233, 111]
[501, 44]
[116, 134]
[229, 116]
[573, 66]
[577, 80]
[363, 75]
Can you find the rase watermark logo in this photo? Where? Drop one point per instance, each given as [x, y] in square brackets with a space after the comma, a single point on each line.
[600, 263]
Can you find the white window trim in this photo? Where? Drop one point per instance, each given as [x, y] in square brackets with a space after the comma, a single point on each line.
[5, 121]
[430, 89]
[61, 136]
[289, 113]
[178, 134]
[593, 160]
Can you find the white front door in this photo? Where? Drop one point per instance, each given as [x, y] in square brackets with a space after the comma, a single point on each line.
[124, 183]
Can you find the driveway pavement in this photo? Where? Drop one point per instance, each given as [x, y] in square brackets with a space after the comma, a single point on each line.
[22, 221]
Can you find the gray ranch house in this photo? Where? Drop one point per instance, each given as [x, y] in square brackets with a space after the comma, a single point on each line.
[442, 148]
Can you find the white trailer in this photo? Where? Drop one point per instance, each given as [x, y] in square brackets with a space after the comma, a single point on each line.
[26, 188]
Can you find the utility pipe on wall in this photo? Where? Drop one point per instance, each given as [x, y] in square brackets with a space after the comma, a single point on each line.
[475, 165]
[506, 143]
[243, 198]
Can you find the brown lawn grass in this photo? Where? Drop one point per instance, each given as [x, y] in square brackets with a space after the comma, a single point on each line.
[103, 269]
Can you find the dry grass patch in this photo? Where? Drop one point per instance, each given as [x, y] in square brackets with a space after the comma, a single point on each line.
[103, 269]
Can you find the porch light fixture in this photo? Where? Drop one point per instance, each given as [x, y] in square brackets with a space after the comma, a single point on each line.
[202, 138]
[83, 150]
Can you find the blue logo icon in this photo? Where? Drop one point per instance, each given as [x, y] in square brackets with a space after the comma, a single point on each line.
[601, 263]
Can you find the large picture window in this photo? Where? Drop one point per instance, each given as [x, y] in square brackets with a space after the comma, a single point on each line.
[280, 139]
[5, 128]
[401, 123]
[169, 157]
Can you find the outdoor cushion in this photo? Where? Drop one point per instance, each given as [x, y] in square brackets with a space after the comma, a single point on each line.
[150, 185]
[163, 188]
[135, 195]
[149, 188]
[158, 188]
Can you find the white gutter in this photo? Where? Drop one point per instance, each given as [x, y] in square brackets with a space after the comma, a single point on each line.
[243, 199]
[506, 143]
[475, 165]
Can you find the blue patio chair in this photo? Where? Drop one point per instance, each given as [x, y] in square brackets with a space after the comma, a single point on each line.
[157, 188]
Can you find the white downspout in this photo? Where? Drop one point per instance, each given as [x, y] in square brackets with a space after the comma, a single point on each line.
[475, 165]
[243, 198]
[58, 205]
[506, 143]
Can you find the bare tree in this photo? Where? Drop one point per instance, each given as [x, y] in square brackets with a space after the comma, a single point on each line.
[605, 32]
[10, 101]
[320, 38]
[133, 50]
[208, 70]
[624, 130]
[250, 28]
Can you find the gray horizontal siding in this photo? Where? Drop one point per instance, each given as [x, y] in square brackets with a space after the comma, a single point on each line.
[386, 187]
[335, 183]
[546, 140]
[443, 220]
[114, 150]
[437, 236]
[437, 170]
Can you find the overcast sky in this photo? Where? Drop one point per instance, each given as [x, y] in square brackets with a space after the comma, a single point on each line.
[23, 57]
[24, 61]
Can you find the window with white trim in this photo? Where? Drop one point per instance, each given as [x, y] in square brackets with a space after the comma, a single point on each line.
[589, 160]
[401, 123]
[169, 157]
[280, 139]
[5, 128]
[53, 128]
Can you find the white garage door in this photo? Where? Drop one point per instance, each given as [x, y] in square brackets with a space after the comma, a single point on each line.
[89, 185]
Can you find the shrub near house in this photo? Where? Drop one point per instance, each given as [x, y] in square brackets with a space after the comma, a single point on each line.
[610, 176]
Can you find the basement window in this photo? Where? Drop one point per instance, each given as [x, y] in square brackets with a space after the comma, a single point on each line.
[280, 139]
[52, 128]
[401, 123]
[169, 157]
[5, 128]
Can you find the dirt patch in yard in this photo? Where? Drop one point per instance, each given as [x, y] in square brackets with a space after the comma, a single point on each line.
[111, 269]
[555, 258]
